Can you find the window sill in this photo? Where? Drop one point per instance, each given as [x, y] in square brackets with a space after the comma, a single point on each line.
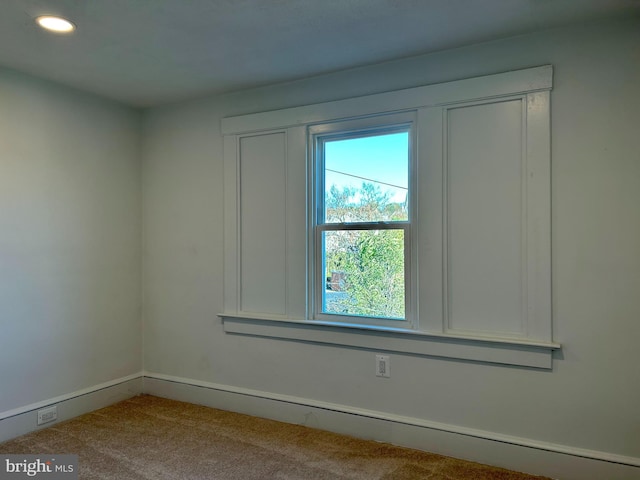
[491, 350]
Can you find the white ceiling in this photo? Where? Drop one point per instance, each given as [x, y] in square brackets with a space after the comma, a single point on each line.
[149, 52]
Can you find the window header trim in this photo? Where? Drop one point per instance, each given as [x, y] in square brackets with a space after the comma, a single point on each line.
[499, 85]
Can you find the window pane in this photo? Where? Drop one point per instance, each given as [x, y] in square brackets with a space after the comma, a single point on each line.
[364, 273]
[366, 178]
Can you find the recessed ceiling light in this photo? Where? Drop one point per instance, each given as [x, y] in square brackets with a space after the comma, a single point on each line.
[55, 24]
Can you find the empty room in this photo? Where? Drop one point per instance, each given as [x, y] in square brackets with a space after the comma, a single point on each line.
[300, 239]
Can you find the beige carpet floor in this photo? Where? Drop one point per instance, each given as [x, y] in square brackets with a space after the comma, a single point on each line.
[148, 437]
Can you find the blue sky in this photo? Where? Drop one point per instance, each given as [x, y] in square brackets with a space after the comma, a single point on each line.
[380, 158]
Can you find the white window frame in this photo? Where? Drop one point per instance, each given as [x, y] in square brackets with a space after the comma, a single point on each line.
[429, 332]
[357, 128]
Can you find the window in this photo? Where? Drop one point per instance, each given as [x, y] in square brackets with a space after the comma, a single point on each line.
[415, 221]
[361, 221]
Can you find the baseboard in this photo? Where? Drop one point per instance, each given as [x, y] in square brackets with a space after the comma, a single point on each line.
[520, 454]
[22, 420]
[524, 455]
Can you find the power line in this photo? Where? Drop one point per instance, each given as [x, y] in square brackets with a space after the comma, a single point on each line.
[365, 178]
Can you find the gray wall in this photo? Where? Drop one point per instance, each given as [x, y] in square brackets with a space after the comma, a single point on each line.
[71, 228]
[589, 400]
[70, 238]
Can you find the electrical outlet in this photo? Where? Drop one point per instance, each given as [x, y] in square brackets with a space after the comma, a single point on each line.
[47, 415]
[383, 366]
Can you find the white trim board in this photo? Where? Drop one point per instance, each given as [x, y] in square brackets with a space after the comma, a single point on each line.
[491, 350]
[515, 453]
[501, 84]
[23, 420]
[508, 321]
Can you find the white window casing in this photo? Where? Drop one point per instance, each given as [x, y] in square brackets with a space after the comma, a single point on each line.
[359, 128]
[478, 255]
